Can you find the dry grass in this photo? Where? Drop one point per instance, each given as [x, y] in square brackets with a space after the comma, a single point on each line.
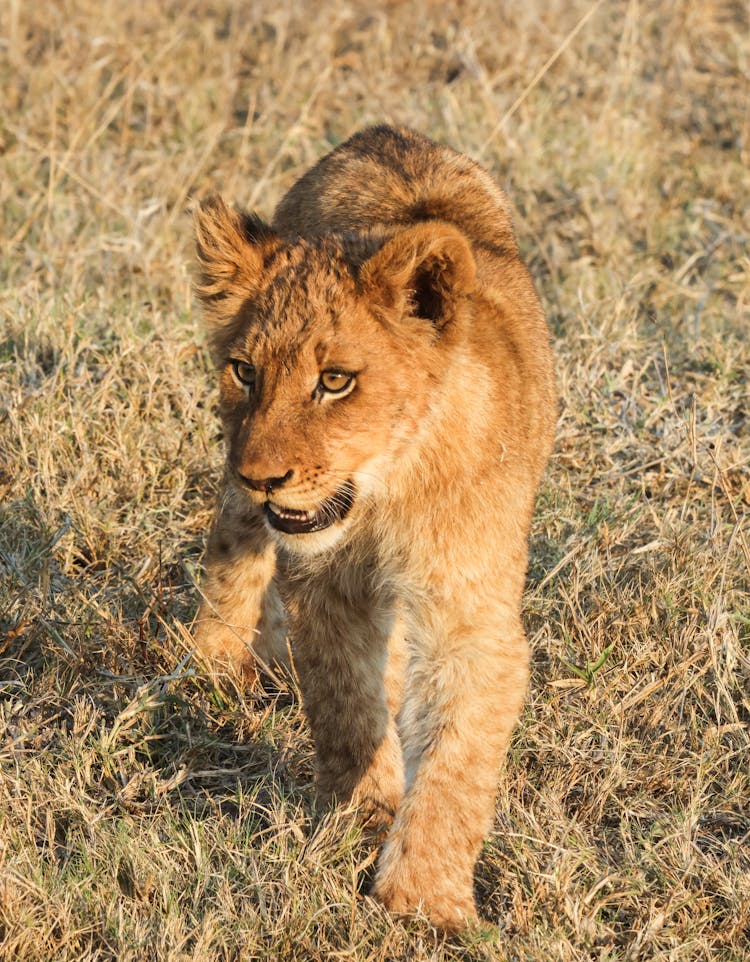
[144, 815]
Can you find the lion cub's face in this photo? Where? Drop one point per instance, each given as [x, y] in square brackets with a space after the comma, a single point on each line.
[328, 361]
[314, 399]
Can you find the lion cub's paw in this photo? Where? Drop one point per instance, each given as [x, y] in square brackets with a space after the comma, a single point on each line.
[379, 792]
[223, 650]
[376, 805]
[404, 888]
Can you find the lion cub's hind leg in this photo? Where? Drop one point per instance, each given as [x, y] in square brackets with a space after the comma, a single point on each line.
[241, 622]
[381, 788]
[348, 659]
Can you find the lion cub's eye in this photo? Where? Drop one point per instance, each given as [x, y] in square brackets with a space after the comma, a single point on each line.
[245, 373]
[336, 382]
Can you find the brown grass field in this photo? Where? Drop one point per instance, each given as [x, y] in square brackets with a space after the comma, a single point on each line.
[146, 814]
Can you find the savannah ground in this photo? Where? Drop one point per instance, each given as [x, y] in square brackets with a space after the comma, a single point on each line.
[146, 814]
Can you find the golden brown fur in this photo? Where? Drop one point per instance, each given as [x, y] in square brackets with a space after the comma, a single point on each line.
[392, 260]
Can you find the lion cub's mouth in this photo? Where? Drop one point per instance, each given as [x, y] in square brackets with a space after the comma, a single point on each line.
[293, 521]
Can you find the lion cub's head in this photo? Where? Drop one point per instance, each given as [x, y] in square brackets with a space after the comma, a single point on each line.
[330, 355]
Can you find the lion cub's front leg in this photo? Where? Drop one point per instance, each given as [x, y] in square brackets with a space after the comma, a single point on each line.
[465, 689]
[241, 621]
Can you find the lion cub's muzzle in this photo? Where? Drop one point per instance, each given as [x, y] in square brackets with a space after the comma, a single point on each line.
[295, 521]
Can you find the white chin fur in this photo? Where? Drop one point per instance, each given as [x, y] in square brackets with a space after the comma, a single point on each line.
[306, 545]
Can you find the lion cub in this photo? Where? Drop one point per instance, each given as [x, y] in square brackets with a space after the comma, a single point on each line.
[388, 405]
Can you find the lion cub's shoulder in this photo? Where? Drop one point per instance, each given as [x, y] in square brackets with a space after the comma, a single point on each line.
[386, 178]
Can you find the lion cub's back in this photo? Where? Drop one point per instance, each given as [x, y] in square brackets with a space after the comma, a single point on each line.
[383, 178]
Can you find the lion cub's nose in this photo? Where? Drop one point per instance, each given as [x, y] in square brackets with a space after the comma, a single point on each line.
[265, 484]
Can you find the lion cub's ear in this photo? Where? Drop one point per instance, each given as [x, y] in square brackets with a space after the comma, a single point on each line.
[424, 271]
[231, 247]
